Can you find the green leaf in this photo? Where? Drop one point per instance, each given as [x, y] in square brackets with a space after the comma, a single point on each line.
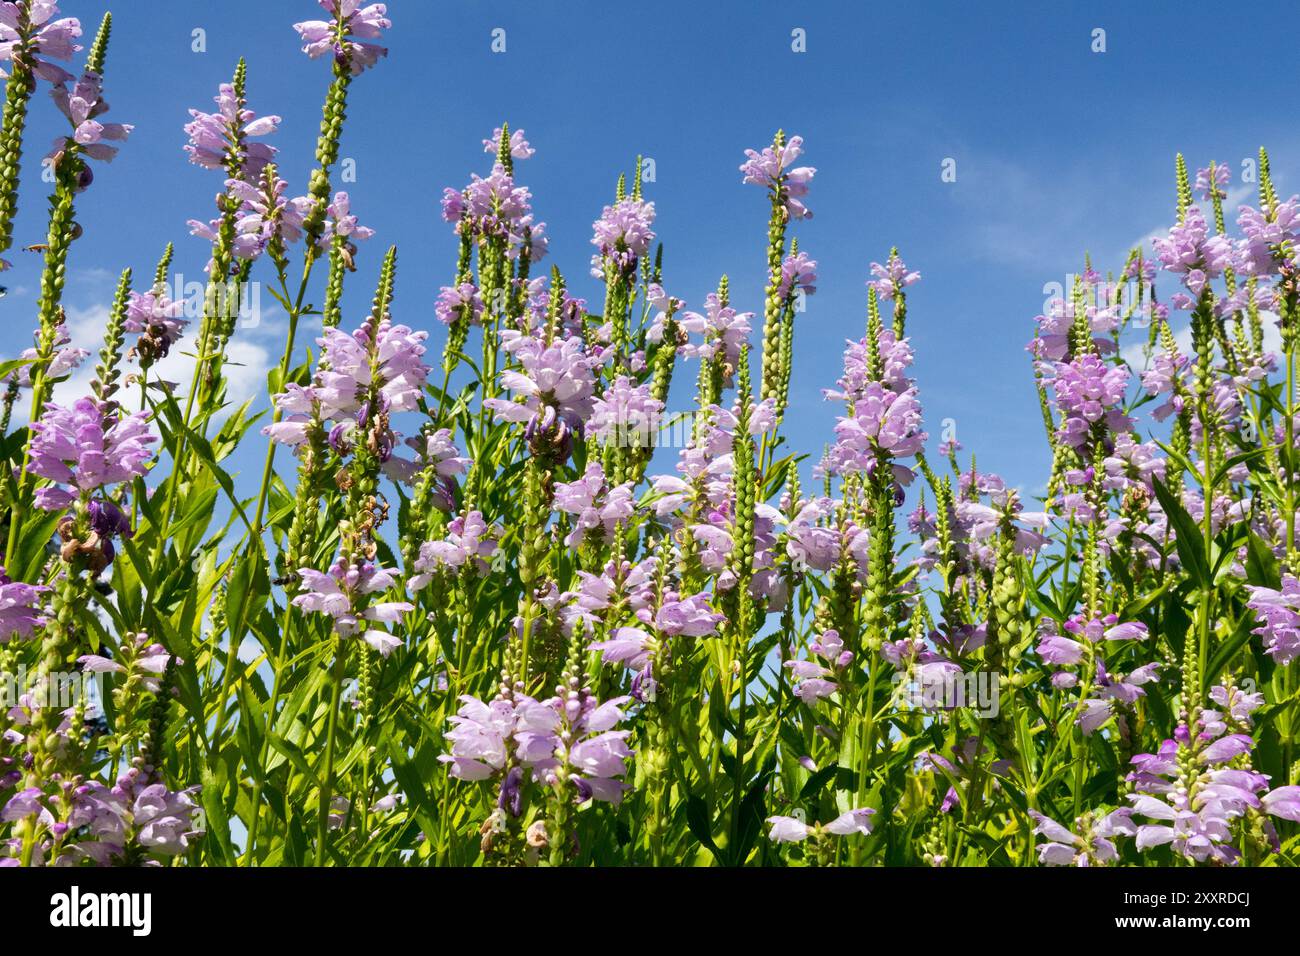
[1187, 536]
[296, 757]
[217, 840]
[697, 819]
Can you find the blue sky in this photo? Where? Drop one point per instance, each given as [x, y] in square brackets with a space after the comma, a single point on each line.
[1058, 150]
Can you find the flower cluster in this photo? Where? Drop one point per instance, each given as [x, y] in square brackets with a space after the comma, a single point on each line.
[1090, 393]
[1269, 238]
[459, 302]
[381, 357]
[812, 677]
[798, 272]
[44, 37]
[555, 385]
[626, 414]
[220, 140]
[1196, 788]
[892, 277]
[1278, 614]
[157, 320]
[623, 235]
[85, 448]
[884, 425]
[496, 208]
[1192, 252]
[20, 608]
[724, 331]
[337, 593]
[82, 105]
[773, 168]
[1091, 843]
[64, 359]
[566, 738]
[595, 506]
[347, 36]
[470, 542]
[135, 820]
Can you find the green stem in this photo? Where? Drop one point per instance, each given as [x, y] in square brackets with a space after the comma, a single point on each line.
[277, 689]
[331, 733]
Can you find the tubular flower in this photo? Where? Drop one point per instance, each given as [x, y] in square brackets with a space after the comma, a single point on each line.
[470, 541]
[20, 608]
[1278, 615]
[623, 234]
[158, 321]
[220, 138]
[81, 106]
[77, 448]
[1092, 845]
[334, 594]
[1089, 392]
[884, 424]
[47, 38]
[345, 37]
[772, 168]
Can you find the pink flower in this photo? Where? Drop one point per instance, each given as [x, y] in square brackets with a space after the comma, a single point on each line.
[519, 148]
[20, 608]
[772, 168]
[81, 106]
[336, 594]
[86, 448]
[220, 138]
[45, 36]
[623, 234]
[892, 278]
[469, 539]
[345, 37]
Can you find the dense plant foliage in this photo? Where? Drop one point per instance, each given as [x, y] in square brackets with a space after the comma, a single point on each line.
[492, 602]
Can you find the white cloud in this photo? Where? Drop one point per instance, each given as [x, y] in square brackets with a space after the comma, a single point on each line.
[93, 276]
[1239, 195]
[1133, 354]
[248, 360]
[1022, 217]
